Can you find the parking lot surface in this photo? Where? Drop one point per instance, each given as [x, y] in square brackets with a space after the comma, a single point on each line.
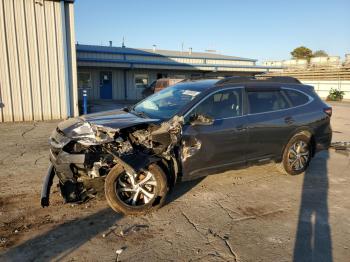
[253, 214]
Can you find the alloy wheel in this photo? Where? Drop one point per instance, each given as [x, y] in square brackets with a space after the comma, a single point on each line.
[298, 155]
[136, 189]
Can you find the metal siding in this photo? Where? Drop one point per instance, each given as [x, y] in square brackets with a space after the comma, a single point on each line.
[118, 85]
[52, 62]
[34, 70]
[33, 60]
[22, 48]
[43, 61]
[5, 88]
[60, 60]
[72, 63]
[95, 75]
[13, 60]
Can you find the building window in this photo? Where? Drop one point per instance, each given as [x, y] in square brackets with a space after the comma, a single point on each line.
[141, 81]
[84, 80]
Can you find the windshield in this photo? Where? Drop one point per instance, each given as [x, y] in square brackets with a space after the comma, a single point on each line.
[166, 103]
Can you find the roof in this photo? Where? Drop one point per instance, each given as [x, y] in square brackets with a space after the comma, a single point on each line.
[157, 52]
[198, 84]
[233, 80]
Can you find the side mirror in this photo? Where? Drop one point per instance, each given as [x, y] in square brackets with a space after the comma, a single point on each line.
[201, 120]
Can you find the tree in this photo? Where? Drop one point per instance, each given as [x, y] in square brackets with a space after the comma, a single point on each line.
[320, 53]
[302, 52]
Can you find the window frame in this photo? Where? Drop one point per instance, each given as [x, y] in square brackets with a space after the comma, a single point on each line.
[310, 98]
[141, 76]
[280, 89]
[188, 113]
[90, 80]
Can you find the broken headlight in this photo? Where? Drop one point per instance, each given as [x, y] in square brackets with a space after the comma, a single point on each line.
[87, 134]
[57, 140]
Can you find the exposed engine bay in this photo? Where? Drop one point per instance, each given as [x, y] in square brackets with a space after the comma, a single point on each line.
[83, 150]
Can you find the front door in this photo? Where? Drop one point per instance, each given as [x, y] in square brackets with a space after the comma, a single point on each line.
[207, 149]
[106, 85]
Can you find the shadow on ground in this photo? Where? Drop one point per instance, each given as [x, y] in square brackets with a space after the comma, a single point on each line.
[313, 238]
[60, 241]
[181, 189]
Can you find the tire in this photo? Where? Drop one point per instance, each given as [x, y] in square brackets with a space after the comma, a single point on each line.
[121, 188]
[296, 155]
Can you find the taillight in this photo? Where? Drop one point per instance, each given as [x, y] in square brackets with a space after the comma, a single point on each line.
[328, 111]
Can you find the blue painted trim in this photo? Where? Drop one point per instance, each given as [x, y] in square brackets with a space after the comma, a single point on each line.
[133, 62]
[81, 49]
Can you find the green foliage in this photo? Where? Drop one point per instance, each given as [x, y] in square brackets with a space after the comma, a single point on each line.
[335, 95]
[320, 53]
[302, 52]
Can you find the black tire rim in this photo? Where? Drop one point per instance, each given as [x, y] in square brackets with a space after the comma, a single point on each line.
[298, 155]
[136, 190]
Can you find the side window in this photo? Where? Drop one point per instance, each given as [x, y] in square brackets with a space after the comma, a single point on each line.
[223, 104]
[266, 101]
[296, 97]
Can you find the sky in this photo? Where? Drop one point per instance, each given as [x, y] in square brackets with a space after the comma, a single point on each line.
[261, 29]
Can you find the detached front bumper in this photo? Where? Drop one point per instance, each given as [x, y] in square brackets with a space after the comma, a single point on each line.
[62, 162]
[45, 192]
[61, 165]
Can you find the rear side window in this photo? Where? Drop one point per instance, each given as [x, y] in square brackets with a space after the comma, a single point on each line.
[266, 101]
[296, 98]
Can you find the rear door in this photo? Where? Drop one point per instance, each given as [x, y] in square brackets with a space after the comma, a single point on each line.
[269, 122]
[207, 149]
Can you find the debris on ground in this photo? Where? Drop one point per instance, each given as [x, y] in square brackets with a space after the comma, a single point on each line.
[118, 252]
[3, 241]
[133, 229]
[125, 232]
[340, 145]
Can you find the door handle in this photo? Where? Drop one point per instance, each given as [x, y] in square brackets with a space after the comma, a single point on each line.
[289, 120]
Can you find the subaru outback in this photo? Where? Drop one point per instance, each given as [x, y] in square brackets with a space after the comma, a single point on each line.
[184, 132]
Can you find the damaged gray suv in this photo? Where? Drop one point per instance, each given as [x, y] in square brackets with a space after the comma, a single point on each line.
[190, 130]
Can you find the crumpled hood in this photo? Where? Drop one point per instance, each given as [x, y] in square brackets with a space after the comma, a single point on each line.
[116, 119]
[111, 120]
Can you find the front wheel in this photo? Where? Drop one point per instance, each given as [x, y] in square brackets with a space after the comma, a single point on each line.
[135, 194]
[296, 155]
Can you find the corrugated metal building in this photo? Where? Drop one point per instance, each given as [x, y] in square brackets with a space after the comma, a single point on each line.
[37, 60]
[121, 73]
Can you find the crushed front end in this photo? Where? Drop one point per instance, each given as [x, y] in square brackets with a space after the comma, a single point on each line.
[82, 152]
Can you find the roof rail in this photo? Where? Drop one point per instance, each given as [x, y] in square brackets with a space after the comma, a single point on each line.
[280, 79]
[196, 78]
[240, 79]
[233, 79]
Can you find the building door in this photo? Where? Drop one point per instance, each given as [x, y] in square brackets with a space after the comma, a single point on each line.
[106, 85]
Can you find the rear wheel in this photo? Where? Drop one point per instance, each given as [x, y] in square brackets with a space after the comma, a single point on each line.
[296, 155]
[134, 194]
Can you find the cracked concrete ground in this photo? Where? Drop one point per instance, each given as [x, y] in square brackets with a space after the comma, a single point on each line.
[254, 214]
